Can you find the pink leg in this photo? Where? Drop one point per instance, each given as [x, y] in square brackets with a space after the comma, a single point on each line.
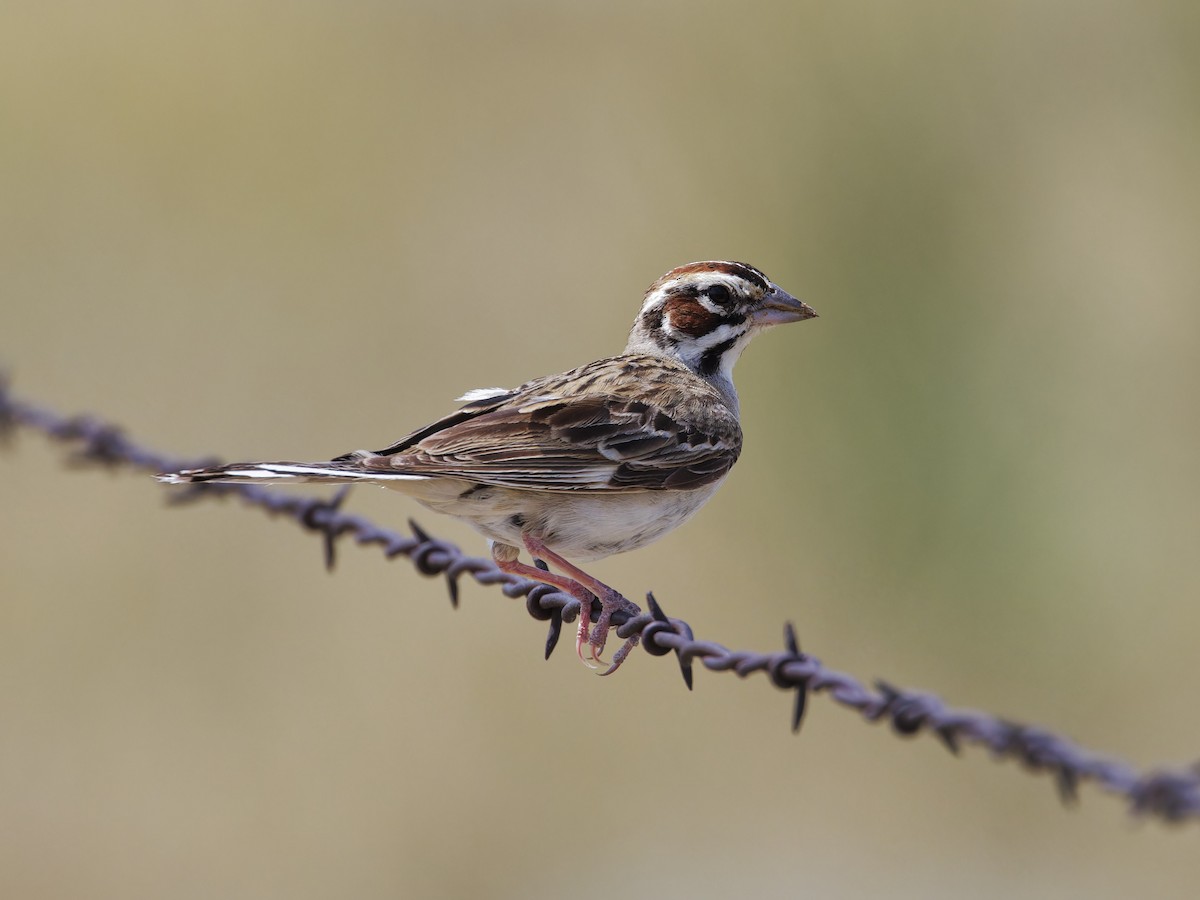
[610, 601]
[574, 588]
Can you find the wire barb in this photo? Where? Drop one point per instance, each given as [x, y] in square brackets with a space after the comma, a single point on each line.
[1169, 795]
[793, 653]
[660, 625]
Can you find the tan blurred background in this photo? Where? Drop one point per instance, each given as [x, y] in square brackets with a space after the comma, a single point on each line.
[292, 229]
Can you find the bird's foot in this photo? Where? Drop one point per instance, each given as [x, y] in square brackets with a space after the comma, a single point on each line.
[587, 589]
[595, 636]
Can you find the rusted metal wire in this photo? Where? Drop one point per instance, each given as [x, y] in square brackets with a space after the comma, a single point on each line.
[1172, 795]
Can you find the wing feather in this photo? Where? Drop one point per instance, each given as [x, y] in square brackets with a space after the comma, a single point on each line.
[629, 433]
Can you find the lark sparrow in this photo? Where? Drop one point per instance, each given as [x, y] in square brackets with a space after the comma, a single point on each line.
[595, 461]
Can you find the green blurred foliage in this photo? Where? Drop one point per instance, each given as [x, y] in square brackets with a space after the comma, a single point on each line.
[291, 229]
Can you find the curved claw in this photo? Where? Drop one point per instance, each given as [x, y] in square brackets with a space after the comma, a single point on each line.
[619, 656]
[597, 660]
[581, 638]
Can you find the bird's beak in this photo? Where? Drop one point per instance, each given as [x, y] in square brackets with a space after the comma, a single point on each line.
[779, 307]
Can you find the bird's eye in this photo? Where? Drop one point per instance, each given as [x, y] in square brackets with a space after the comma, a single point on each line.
[719, 294]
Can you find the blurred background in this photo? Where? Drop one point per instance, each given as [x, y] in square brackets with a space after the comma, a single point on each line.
[265, 230]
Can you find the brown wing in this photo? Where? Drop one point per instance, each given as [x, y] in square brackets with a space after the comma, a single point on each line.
[542, 438]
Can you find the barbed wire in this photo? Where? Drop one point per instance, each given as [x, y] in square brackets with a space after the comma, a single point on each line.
[1172, 795]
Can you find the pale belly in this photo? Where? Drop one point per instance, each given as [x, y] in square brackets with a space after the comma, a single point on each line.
[579, 526]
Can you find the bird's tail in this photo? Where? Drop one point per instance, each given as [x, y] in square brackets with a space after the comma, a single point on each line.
[334, 472]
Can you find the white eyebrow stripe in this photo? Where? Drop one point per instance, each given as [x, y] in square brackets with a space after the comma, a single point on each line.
[654, 301]
[702, 282]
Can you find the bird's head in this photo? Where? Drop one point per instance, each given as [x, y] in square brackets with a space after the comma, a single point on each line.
[705, 313]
